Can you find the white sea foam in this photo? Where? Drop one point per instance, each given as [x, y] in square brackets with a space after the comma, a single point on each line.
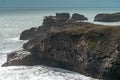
[14, 39]
[5, 51]
[39, 73]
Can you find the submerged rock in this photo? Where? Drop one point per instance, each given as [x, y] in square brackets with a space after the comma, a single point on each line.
[115, 17]
[78, 17]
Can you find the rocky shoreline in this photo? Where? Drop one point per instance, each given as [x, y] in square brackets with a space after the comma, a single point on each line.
[66, 42]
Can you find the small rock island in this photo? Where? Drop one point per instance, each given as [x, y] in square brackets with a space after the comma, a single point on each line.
[65, 42]
[106, 17]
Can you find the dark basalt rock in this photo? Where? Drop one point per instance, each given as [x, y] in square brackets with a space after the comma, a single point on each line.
[115, 17]
[78, 17]
[62, 16]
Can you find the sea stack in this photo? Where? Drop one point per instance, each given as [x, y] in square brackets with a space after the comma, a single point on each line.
[106, 17]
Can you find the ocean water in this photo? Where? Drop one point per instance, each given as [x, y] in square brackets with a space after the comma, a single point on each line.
[14, 21]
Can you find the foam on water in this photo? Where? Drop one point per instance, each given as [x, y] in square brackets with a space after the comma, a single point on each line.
[13, 39]
[39, 73]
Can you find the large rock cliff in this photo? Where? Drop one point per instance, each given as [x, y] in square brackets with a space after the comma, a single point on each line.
[93, 51]
[90, 49]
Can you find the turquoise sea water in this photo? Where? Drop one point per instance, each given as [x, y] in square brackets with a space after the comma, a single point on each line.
[14, 21]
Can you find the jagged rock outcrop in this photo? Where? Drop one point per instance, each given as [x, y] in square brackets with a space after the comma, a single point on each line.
[21, 57]
[68, 25]
[93, 50]
[29, 34]
[49, 23]
[62, 16]
[78, 17]
[115, 17]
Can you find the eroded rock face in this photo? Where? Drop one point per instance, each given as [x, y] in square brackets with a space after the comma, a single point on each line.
[78, 17]
[115, 17]
[113, 71]
[93, 53]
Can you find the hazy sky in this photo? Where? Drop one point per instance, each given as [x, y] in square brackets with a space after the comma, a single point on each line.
[59, 3]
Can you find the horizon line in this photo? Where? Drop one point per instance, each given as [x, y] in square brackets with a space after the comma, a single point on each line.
[59, 7]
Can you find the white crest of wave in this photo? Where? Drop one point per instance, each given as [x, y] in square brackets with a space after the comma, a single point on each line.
[6, 51]
[14, 39]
